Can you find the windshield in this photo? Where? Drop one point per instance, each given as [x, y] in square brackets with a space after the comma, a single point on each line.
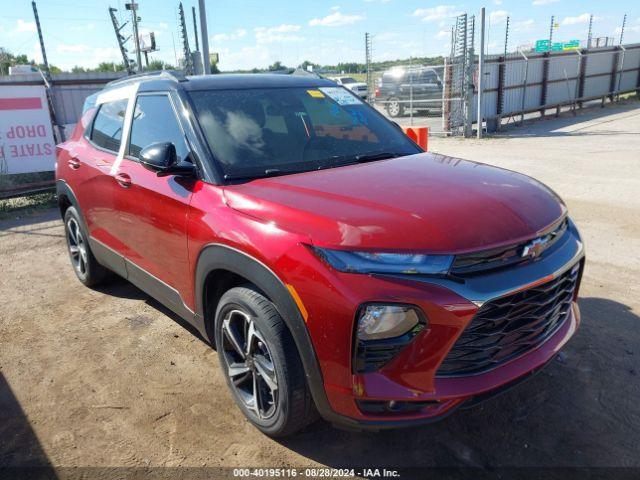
[275, 131]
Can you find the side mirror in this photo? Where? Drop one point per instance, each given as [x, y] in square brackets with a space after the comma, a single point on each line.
[161, 158]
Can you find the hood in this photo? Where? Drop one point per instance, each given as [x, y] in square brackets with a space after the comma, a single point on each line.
[423, 203]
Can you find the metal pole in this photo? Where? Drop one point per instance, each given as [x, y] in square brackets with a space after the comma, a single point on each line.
[590, 34]
[506, 37]
[195, 28]
[480, 71]
[620, 72]
[136, 40]
[411, 90]
[47, 77]
[624, 23]
[551, 32]
[206, 61]
[42, 49]
[120, 39]
[470, 63]
[524, 86]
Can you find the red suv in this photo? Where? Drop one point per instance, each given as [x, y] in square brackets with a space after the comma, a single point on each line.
[336, 267]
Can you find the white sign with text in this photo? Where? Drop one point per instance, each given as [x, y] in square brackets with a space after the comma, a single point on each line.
[26, 135]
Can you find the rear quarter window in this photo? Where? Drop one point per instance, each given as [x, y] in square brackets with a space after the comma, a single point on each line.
[108, 124]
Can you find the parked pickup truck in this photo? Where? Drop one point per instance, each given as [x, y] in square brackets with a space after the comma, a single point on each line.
[402, 88]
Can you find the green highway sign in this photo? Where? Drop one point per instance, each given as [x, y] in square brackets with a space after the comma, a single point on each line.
[547, 46]
[571, 45]
[543, 45]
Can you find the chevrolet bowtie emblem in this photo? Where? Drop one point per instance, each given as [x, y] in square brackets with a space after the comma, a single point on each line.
[535, 247]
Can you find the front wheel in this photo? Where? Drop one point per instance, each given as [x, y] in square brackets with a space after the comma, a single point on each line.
[261, 364]
[395, 108]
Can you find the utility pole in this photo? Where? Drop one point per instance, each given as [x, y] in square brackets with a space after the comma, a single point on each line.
[206, 61]
[551, 32]
[367, 56]
[195, 28]
[47, 76]
[121, 40]
[42, 49]
[506, 37]
[624, 23]
[468, 127]
[481, 71]
[133, 6]
[590, 34]
[186, 52]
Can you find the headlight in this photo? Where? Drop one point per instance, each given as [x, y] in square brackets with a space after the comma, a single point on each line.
[377, 322]
[366, 262]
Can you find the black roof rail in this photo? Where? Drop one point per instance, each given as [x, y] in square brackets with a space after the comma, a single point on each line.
[176, 75]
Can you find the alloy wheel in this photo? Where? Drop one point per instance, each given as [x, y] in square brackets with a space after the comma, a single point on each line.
[394, 108]
[249, 364]
[77, 246]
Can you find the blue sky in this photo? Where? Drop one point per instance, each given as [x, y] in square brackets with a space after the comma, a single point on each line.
[248, 33]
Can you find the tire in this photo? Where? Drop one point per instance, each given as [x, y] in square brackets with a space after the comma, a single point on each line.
[395, 108]
[256, 348]
[85, 265]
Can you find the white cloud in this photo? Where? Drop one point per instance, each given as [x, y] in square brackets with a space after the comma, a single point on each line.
[225, 37]
[71, 48]
[22, 26]
[335, 19]
[443, 34]
[537, 3]
[441, 12]
[524, 25]
[281, 33]
[106, 54]
[630, 27]
[497, 17]
[584, 18]
[497, 2]
[380, 1]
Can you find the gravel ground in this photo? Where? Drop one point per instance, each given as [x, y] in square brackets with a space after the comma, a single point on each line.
[109, 378]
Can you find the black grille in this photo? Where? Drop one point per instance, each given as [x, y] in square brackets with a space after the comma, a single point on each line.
[510, 326]
[480, 262]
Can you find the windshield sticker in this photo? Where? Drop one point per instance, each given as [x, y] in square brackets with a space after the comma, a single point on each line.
[315, 93]
[341, 96]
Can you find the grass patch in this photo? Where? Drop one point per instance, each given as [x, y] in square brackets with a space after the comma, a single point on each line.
[19, 206]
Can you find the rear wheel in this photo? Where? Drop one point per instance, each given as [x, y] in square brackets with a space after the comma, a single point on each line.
[87, 268]
[260, 362]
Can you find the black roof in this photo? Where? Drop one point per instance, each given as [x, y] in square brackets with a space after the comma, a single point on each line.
[167, 80]
[253, 80]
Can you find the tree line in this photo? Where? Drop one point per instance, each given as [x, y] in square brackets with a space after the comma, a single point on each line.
[7, 59]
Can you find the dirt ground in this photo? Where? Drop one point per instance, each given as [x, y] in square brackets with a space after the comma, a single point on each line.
[109, 378]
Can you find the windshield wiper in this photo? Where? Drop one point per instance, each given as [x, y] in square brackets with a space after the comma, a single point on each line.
[269, 172]
[370, 157]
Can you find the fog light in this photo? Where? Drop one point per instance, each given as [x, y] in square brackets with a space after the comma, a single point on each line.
[378, 322]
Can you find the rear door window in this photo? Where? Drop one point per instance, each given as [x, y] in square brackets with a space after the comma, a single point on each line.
[154, 120]
[107, 126]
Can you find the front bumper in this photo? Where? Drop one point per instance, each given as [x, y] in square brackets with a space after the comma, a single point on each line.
[450, 394]
[450, 306]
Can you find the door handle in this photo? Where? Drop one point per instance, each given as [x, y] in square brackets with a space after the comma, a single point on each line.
[123, 179]
[74, 163]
